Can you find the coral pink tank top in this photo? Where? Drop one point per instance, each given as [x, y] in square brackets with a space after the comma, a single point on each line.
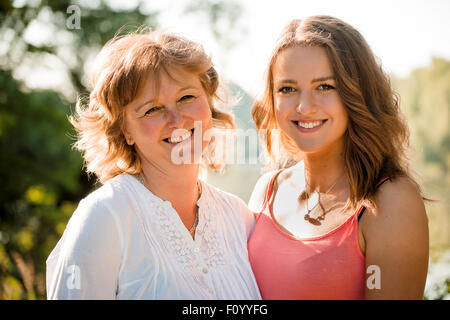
[327, 267]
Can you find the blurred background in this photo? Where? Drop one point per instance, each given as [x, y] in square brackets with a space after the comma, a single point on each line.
[47, 48]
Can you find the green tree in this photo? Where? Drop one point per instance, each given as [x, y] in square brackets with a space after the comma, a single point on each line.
[40, 177]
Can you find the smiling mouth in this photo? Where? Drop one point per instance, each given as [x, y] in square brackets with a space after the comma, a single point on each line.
[179, 138]
[309, 124]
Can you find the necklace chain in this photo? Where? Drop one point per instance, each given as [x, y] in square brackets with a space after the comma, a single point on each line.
[322, 216]
[194, 226]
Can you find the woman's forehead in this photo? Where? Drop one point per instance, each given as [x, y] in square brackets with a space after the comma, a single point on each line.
[309, 62]
[175, 75]
[176, 80]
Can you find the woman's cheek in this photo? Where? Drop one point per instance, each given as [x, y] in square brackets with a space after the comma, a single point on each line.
[152, 127]
[281, 111]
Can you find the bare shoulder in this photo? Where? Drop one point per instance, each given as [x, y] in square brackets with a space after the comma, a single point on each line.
[294, 172]
[259, 192]
[399, 208]
[399, 197]
[396, 240]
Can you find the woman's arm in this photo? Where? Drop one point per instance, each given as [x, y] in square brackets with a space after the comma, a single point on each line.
[396, 238]
[85, 263]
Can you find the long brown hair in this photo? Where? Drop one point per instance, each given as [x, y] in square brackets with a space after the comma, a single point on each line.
[377, 137]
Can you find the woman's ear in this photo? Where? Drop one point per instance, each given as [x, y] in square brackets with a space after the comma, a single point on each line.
[122, 124]
[128, 138]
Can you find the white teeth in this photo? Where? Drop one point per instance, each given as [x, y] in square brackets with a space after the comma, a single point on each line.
[180, 138]
[309, 125]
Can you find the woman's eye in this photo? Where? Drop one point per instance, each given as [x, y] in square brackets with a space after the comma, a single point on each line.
[186, 98]
[286, 90]
[325, 87]
[153, 110]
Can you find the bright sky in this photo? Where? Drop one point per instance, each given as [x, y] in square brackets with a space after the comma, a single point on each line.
[404, 34]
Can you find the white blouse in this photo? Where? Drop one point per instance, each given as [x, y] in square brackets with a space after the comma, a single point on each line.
[123, 242]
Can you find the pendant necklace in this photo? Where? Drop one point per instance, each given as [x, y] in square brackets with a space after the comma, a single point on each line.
[305, 196]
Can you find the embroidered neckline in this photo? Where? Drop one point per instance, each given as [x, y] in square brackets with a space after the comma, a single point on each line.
[177, 238]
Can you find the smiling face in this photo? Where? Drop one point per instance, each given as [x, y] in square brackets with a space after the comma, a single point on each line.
[308, 107]
[158, 121]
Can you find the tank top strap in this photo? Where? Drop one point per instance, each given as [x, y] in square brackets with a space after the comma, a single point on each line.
[363, 208]
[383, 181]
[269, 195]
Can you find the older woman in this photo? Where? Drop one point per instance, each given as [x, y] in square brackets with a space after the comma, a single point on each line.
[153, 230]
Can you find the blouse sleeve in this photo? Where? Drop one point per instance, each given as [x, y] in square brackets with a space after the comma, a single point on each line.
[86, 261]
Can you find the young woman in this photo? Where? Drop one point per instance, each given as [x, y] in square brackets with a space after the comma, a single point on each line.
[347, 220]
[153, 230]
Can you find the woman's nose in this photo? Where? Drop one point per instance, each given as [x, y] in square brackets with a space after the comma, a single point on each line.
[175, 119]
[306, 104]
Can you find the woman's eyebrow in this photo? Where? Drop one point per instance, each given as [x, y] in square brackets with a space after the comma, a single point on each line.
[285, 81]
[323, 79]
[187, 88]
[140, 106]
[289, 81]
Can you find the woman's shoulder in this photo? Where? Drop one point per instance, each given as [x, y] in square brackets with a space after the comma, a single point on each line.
[397, 239]
[259, 192]
[213, 193]
[107, 201]
[94, 223]
[230, 208]
[261, 187]
[398, 206]
[111, 191]
[399, 193]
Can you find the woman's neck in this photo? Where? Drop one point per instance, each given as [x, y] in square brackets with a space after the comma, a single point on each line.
[177, 186]
[323, 170]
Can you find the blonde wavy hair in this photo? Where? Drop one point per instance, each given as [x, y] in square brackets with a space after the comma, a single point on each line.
[120, 70]
[377, 137]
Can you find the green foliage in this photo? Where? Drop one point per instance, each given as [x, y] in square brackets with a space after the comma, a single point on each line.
[39, 173]
[99, 22]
